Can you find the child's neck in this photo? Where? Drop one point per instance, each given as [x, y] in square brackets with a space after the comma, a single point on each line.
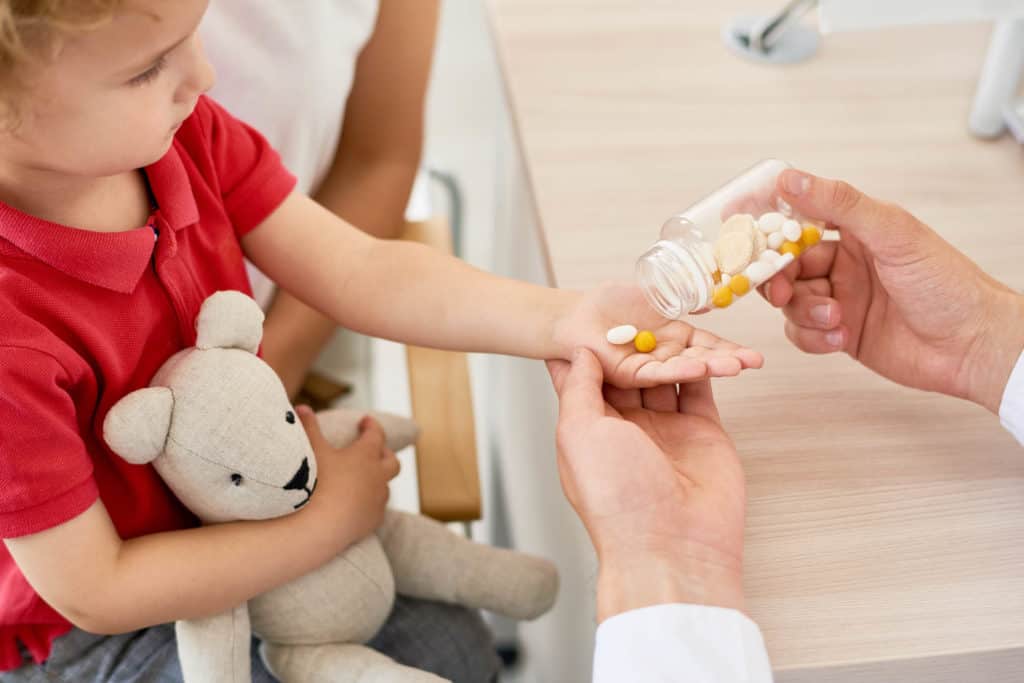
[101, 204]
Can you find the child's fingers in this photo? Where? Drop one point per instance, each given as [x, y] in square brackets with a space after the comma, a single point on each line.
[813, 340]
[371, 435]
[723, 366]
[311, 424]
[392, 466]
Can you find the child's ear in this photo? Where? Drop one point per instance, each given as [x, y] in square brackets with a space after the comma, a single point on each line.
[229, 320]
[136, 428]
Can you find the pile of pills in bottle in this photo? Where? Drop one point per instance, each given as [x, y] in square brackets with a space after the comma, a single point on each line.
[642, 340]
[750, 251]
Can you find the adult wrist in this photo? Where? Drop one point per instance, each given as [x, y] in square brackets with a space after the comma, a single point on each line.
[996, 350]
[644, 580]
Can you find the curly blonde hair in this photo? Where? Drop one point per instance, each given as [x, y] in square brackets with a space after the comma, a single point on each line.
[30, 30]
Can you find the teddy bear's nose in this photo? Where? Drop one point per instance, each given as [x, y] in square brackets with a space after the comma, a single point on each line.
[301, 477]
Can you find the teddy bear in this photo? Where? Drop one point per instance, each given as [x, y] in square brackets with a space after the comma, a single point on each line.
[217, 425]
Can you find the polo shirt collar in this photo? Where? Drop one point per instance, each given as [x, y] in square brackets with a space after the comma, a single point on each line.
[112, 260]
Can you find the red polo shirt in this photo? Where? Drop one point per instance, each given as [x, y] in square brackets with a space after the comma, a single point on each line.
[86, 317]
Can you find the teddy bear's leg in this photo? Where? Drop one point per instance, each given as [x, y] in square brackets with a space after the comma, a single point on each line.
[216, 649]
[338, 663]
[431, 562]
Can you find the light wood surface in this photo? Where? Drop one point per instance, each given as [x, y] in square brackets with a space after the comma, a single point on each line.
[442, 404]
[885, 525]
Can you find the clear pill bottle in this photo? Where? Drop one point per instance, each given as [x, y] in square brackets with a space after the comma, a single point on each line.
[725, 245]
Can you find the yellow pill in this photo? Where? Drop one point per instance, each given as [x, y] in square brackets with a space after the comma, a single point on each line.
[722, 297]
[790, 248]
[645, 341]
[717, 277]
[739, 284]
[810, 236]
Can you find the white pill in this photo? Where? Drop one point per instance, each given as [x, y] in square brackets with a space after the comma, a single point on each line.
[791, 229]
[775, 240]
[769, 257]
[623, 334]
[725, 279]
[740, 222]
[760, 242]
[771, 222]
[759, 272]
[784, 261]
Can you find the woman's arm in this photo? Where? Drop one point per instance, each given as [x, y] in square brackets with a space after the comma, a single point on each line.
[374, 166]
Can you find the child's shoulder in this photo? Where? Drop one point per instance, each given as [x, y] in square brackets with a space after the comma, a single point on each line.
[212, 133]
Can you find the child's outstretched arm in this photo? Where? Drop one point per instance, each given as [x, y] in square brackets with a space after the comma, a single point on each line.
[409, 293]
[105, 585]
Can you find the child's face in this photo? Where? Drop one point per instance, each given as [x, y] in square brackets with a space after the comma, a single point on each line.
[114, 97]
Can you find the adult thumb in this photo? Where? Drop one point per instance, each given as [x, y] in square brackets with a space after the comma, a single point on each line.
[579, 393]
[874, 223]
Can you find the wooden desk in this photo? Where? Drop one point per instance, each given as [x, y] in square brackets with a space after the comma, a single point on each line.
[886, 526]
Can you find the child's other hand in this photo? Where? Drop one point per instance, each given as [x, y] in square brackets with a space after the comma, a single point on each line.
[684, 353]
[352, 482]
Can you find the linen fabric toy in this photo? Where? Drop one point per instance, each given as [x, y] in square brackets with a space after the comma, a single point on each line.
[217, 425]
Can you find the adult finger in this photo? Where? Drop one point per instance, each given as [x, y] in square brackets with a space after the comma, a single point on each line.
[874, 223]
[696, 398]
[579, 396]
[813, 340]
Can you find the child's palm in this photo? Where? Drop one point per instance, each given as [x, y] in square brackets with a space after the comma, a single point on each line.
[683, 354]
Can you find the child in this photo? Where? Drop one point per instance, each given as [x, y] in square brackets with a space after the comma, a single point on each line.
[106, 130]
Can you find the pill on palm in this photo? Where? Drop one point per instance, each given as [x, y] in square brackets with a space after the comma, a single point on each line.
[792, 230]
[623, 334]
[775, 240]
[771, 222]
[645, 341]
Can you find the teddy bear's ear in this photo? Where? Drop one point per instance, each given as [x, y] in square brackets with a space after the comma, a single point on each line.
[229, 320]
[136, 428]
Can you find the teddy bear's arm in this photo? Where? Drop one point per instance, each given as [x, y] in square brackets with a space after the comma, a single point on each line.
[216, 649]
[431, 562]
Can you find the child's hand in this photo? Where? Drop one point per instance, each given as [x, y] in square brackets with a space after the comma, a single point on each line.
[683, 354]
[352, 482]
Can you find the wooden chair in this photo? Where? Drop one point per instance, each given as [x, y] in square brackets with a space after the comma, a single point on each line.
[442, 405]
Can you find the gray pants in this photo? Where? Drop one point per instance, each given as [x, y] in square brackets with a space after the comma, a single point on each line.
[452, 642]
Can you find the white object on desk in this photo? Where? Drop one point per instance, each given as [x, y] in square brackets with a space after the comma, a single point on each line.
[852, 15]
[992, 109]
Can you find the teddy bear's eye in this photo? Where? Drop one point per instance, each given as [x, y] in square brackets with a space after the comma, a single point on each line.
[236, 479]
[290, 417]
